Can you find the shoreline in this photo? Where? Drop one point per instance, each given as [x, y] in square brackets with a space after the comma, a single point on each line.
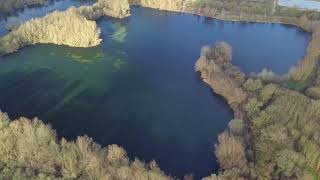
[303, 72]
[232, 18]
[255, 18]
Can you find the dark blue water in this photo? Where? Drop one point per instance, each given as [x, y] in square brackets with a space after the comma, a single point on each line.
[139, 89]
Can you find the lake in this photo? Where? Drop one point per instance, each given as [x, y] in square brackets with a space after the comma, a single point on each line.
[138, 89]
[301, 4]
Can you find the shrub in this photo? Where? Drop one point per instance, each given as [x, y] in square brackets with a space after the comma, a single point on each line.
[267, 92]
[230, 152]
[313, 92]
[253, 106]
[252, 85]
[236, 127]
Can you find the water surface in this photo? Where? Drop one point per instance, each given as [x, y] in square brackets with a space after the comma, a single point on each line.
[302, 4]
[139, 89]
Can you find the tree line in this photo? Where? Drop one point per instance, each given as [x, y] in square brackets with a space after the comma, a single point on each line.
[29, 149]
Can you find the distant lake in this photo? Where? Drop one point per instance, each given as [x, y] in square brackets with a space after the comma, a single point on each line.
[138, 88]
[302, 4]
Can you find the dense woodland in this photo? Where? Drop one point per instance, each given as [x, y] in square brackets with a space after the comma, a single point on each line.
[274, 133]
[263, 7]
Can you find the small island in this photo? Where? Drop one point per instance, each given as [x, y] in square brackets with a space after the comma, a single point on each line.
[75, 27]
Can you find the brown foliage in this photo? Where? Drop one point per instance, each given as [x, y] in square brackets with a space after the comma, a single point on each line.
[62, 28]
[230, 152]
[307, 66]
[118, 9]
[216, 69]
[169, 5]
[29, 149]
[73, 27]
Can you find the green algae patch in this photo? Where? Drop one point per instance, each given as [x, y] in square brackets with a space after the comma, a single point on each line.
[120, 33]
[99, 55]
[84, 55]
[298, 86]
[119, 63]
[74, 56]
